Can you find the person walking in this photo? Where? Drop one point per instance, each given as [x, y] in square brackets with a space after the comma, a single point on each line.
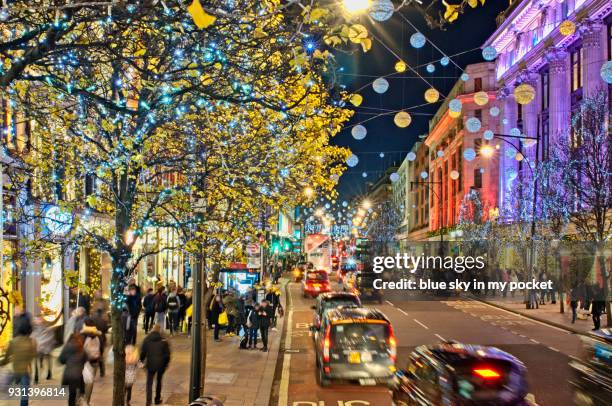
[134, 305]
[183, 308]
[45, 343]
[273, 299]
[252, 323]
[598, 307]
[75, 322]
[101, 322]
[22, 322]
[230, 305]
[216, 308]
[74, 358]
[100, 303]
[174, 307]
[131, 368]
[21, 352]
[160, 306]
[265, 319]
[149, 310]
[92, 348]
[574, 299]
[155, 353]
[241, 317]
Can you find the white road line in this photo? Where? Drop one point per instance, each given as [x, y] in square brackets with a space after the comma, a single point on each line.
[389, 303]
[283, 395]
[534, 341]
[554, 349]
[421, 324]
[440, 337]
[402, 311]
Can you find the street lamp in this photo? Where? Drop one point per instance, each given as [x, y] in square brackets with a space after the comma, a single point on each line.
[487, 151]
[366, 204]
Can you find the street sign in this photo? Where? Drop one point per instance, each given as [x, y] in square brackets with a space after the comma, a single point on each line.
[253, 256]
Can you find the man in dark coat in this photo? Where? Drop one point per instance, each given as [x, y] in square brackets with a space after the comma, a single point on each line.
[155, 353]
[133, 302]
[149, 309]
[265, 318]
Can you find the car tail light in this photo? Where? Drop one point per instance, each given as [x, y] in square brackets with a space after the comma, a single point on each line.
[392, 344]
[327, 343]
[486, 373]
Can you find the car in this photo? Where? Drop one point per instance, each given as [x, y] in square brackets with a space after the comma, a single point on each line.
[460, 374]
[355, 344]
[332, 300]
[316, 282]
[592, 377]
[363, 285]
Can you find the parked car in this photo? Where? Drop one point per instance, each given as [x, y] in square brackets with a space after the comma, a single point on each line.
[592, 380]
[331, 300]
[461, 375]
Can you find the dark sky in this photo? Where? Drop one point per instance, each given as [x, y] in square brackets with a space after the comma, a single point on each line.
[405, 89]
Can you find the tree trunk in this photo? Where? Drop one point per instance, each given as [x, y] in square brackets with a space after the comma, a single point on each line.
[119, 358]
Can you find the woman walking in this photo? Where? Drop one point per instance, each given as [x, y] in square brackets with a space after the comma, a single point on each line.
[73, 357]
[216, 308]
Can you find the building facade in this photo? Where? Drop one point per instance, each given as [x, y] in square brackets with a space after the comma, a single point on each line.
[417, 198]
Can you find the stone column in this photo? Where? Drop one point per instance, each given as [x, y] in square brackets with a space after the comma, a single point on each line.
[559, 102]
[506, 164]
[530, 112]
[594, 57]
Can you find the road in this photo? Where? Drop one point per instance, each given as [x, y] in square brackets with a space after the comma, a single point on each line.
[544, 349]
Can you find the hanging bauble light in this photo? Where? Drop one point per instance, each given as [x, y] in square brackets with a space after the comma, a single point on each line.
[489, 53]
[528, 142]
[482, 170]
[515, 132]
[454, 114]
[567, 27]
[364, 174]
[431, 95]
[510, 153]
[505, 121]
[454, 175]
[417, 40]
[455, 105]
[400, 66]
[352, 160]
[359, 132]
[465, 77]
[431, 68]
[402, 119]
[606, 72]
[488, 135]
[380, 85]
[444, 61]
[494, 111]
[424, 175]
[469, 154]
[411, 156]
[481, 98]
[394, 177]
[524, 93]
[381, 10]
[511, 174]
[4, 14]
[344, 203]
[382, 155]
[440, 153]
[473, 124]
[356, 99]
[519, 157]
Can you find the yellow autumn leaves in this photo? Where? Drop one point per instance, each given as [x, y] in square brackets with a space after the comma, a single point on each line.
[452, 11]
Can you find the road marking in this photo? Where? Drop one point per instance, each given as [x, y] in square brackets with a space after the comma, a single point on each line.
[421, 324]
[283, 395]
[554, 349]
[534, 341]
[402, 311]
[440, 337]
[389, 303]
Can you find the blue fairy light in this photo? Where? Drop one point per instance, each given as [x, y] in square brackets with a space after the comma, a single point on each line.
[411, 156]
[489, 53]
[455, 106]
[431, 68]
[494, 111]
[444, 61]
[473, 124]
[465, 77]
[417, 40]
[394, 177]
[469, 154]
[488, 135]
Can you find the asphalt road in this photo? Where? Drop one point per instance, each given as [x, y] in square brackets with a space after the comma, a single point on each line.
[545, 350]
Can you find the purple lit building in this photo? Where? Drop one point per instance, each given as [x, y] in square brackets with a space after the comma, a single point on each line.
[561, 62]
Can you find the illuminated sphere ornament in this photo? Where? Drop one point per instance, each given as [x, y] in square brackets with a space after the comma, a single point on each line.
[488, 135]
[382, 155]
[465, 77]
[606, 72]
[431, 68]
[400, 66]
[510, 153]
[489, 53]
[394, 177]
[524, 93]
[511, 174]
[469, 154]
[380, 85]
[4, 14]
[494, 111]
[364, 174]
[431, 95]
[381, 10]
[402, 119]
[455, 105]
[352, 160]
[356, 99]
[515, 132]
[505, 121]
[482, 170]
[481, 98]
[454, 114]
[344, 203]
[472, 124]
[567, 27]
[528, 142]
[454, 175]
[359, 132]
[417, 40]
[411, 156]
[444, 61]
[519, 157]
[424, 175]
[440, 153]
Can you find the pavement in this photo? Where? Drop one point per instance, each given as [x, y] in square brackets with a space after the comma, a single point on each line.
[545, 349]
[237, 377]
[548, 313]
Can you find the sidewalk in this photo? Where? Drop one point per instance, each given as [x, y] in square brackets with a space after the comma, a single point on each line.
[548, 313]
[237, 377]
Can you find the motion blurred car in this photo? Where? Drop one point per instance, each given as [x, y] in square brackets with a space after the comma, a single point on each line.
[356, 344]
[332, 300]
[362, 284]
[592, 379]
[459, 374]
[315, 283]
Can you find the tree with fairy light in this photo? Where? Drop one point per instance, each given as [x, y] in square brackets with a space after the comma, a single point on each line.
[129, 119]
[382, 226]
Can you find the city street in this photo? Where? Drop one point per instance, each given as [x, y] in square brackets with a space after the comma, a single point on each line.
[544, 349]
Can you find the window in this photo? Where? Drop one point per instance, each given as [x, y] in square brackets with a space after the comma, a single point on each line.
[477, 84]
[545, 76]
[519, 117]
[477, 145]
[576, 63]
[545, 136]
[478, 114]
[477, 178]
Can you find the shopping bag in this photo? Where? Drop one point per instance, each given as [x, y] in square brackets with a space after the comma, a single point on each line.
[88, 373]
[223, 319]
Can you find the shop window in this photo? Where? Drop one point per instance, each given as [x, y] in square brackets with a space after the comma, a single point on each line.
[477, 84]
[477, 178]
[576, 60]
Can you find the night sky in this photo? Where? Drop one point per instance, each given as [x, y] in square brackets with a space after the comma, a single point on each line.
[405, 89]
